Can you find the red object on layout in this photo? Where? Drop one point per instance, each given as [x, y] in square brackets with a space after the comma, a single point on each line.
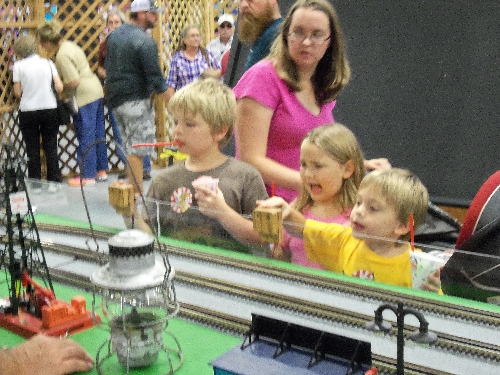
[412, 232]
[157, 144]
[372, 371]
[58, 318]
[224, 61]
[476, 207]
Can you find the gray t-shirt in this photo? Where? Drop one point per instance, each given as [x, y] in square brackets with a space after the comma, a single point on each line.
[240, 183]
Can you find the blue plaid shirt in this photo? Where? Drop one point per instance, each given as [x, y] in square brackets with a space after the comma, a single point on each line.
[183, 71]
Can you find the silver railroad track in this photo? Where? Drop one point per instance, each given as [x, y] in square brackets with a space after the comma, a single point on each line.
[453, 343]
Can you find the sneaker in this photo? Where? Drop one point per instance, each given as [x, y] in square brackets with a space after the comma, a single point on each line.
[102, 176]
[53, 187]
[75, 182]
[146, 175]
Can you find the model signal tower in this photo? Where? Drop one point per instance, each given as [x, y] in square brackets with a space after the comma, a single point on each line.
[23, 251]
[31, 308]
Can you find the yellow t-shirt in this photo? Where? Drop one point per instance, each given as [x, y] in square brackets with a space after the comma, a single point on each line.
[338, 250]
[72, 64]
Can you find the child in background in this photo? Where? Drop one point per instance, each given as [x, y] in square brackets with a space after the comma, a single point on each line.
[373, 247]
[331, 169]
[204, 114]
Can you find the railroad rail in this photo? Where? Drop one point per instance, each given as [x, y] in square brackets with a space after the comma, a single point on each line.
[200, 274]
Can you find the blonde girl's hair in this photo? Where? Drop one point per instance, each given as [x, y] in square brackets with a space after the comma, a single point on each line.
[212, 100]
[50, 32]
[332, 72]
[403, 191]
[341, 144]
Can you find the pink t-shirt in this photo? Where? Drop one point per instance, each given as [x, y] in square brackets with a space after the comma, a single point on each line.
[295, 245]
[290, 122]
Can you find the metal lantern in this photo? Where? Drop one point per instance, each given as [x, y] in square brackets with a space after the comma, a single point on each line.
[137, 299]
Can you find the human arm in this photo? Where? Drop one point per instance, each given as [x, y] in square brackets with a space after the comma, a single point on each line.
[380, 163]
[50, 355]
[213, 205]
[293, 220]
[167, 94]
[151, 69]
[253, 122]
[101, 72]
[18, 91]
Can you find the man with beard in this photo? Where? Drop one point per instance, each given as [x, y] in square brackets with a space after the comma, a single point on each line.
[133, 75]
[258, 23]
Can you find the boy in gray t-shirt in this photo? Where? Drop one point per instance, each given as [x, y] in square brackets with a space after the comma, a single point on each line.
[204, 114]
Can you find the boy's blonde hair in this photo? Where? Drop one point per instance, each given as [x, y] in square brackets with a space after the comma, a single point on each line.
[50, 32]
[403, 191]
[25, 46]
[212, 100]
[341, 144]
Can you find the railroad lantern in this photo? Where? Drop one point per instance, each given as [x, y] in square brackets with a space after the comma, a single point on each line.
[136, 300]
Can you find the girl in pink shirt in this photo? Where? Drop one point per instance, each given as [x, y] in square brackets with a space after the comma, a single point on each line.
[331, 169]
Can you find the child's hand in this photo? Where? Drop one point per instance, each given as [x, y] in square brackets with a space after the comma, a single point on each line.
[211, 204]
[433, 283]
[276, 202]
[381, 163]
[277, 252]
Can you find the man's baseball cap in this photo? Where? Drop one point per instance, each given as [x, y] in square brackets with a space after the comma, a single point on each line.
[226, 18]
[146, 5]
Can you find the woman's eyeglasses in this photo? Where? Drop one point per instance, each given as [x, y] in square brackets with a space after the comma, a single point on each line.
[315, 38]
[225, 26]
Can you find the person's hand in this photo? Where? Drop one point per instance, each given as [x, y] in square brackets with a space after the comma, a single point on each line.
[276, 202]
[381, 163]
[433, 283]
[210, 203]
[44, 355]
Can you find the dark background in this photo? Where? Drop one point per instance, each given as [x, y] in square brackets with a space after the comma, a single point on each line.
[424, 88]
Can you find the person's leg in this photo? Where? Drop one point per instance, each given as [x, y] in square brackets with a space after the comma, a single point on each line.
[136, 122]
[28, 123]
[135, 173]
[146, 168]
[85, 123]
[100, 133]
[116, 136]
[146, 164]
[50, 130]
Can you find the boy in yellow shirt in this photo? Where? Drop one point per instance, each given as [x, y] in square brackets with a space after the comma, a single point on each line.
[375, 245]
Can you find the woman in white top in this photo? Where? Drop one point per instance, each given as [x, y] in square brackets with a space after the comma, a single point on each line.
[33, 77]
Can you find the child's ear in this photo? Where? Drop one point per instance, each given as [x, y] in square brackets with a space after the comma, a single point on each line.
[402, 229]
[219, 136]
[348, 169]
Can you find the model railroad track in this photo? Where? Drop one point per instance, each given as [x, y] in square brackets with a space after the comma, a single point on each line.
[425, 305]
[238, 326]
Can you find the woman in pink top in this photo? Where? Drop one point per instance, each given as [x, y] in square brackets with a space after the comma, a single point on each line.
[293, 91]
[331, 169]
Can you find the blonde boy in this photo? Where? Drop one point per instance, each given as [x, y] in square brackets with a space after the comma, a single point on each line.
[204, 114]
[375, 246]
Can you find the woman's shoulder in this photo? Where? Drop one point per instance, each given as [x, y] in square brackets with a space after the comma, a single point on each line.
[254, 79]
[262, 68]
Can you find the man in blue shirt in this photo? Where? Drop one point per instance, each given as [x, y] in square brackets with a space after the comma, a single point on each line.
[133, 75]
